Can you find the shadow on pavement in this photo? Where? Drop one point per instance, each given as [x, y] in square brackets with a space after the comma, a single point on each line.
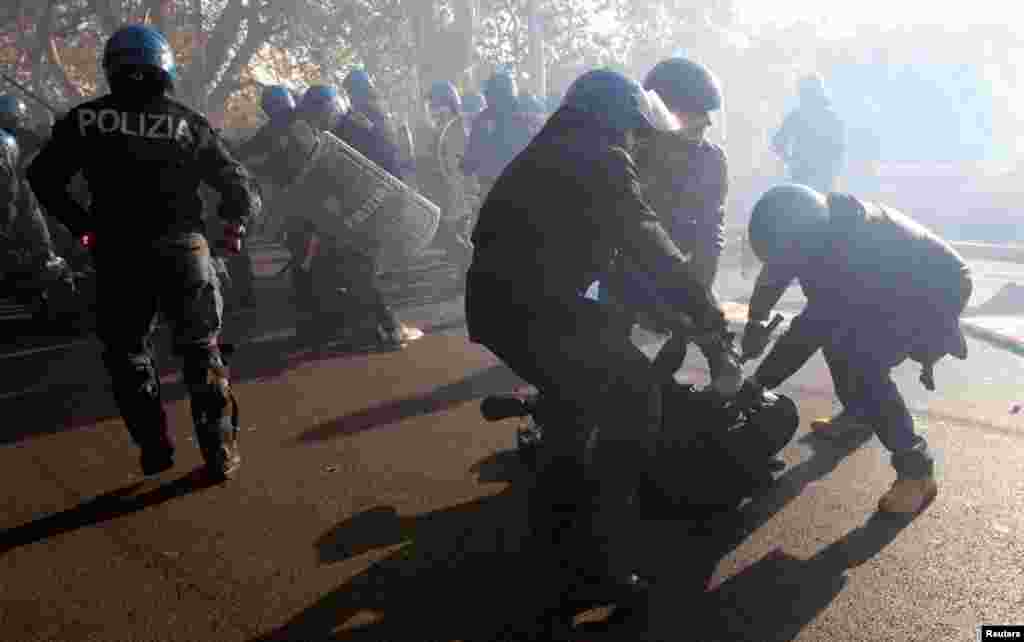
[776, 597]
[75, 401]
[462, 573]
[108, 506]
[456, 576]
[494, 379]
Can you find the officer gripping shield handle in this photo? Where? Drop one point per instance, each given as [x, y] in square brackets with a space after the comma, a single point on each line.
[156, 259]
[880, 289]
[337, 278]
[552, 224]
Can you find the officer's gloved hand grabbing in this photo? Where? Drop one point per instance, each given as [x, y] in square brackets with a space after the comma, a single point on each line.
[753, 395]
[724, 363]
[756, 336]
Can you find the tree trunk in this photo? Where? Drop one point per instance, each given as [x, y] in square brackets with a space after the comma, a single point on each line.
[198, 68]
[422, 17]
[538, 71]
[256, 35]
[467, 14]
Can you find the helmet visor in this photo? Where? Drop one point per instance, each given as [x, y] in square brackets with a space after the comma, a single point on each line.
[657, 114]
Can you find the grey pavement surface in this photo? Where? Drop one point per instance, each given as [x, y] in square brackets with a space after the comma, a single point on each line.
[375, 504]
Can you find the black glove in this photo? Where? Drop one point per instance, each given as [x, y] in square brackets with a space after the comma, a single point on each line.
[753, 395]
[723, 362]
[756, 336]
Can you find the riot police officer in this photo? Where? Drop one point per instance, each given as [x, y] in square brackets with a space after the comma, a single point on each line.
[880, 289]
[330, 266]
[473, 103]
[812, 139]
[686, 179]
[14, 118]
[258, 151]
[499, 132]
[28, 262]
[552, 223]
[156, 152]
[447, 191]
[366, 101]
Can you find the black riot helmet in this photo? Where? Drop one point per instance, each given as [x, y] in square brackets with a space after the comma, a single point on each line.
[789, 223]
[685, 85]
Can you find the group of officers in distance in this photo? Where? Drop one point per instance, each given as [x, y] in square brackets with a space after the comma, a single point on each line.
[618, 186]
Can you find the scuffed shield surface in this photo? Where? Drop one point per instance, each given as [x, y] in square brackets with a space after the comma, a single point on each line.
[353, 201]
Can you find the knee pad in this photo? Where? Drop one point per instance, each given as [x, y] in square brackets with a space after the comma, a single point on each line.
[207, 378]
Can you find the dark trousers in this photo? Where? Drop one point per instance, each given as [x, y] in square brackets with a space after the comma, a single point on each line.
[343, 287]
[861, 360]
[599, 442]
[181, 285]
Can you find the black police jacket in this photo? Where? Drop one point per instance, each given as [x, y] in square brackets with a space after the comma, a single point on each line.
[552, 224]
[876, 266]
[143, 161]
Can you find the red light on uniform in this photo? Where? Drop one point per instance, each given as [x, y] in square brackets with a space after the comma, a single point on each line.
[86, 240]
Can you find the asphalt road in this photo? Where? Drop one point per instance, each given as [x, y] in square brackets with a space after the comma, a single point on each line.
[375, 504]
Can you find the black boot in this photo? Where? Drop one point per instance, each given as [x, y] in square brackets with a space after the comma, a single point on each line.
[137, 392]
[215, 416]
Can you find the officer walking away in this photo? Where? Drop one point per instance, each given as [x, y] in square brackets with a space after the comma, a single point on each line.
[880, 289]
[331, 265]
[157, 151]
[812, 139]
[552, 224]
[499, 132]
[445, 189]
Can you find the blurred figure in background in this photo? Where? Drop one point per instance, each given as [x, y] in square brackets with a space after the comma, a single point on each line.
[812, 139]
[499, 133]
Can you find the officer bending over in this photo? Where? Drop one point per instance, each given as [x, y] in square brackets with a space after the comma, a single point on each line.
[880, 288]
[549, 227]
